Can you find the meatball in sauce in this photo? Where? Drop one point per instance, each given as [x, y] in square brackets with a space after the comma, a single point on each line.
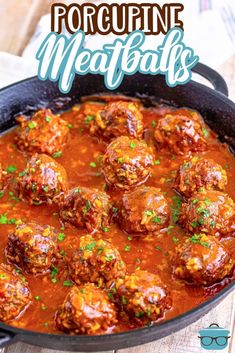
[15, 295]
[43, 133]
[87, 208]
[33, 248]
[211, 212]
[42, 181]
[196, 173]
[96, 261]
[144, 210]
[119, 119]
[202, 260]
[86, 310]
[127, 163]
[181, 132]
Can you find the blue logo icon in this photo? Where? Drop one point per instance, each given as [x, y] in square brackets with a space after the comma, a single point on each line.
[214, 337]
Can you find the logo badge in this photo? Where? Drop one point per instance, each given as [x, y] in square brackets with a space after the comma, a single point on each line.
[214, 337]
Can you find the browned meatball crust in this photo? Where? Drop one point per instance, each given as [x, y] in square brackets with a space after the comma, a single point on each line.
[143, 296]
[96, 261]
[211, 212]
[43, 133]
[202, 260]
[119, 119]
[33, 248]
[86, 310]
[127, 162]
[15, 295]
[43, 180]
[87, 208]
[143, 210]
[196, 173]
[181, 132]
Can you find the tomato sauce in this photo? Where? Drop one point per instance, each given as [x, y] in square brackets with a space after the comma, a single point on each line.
[81, 159]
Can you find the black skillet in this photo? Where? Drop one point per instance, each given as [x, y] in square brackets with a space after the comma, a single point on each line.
[218, 112]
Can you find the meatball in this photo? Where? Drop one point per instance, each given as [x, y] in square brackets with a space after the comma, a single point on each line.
[43, 133]
[87, 208]
[181, 132]
[196, 173]
[202, 260]
[119, 119]
[210, 212]
[127, 162]
[144, 210]
[96, 261]
[86, 310]
[143, 296]
[43, 180]
[15, 295]
[33, 248]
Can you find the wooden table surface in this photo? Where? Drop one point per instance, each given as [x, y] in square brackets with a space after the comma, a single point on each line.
[20, 25]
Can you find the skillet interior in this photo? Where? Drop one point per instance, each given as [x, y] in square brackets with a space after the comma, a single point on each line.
[30, 95]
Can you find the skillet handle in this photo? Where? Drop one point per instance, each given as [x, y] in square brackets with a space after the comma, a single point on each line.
[213, 76]
[6, 339]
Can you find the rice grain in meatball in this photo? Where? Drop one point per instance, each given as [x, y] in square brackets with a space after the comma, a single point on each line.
[15, 295]
[143, 296]
[86, 310]
[96, 261]
[43, 180]
[196, 173]
[181, 131]
[127, 162]
[33, 248]
[87, 208]
[119, 119]
[144, 210]
[211, 212]
[202, 260]
[43, 133]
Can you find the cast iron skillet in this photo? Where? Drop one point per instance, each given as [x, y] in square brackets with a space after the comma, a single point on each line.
[219, 113]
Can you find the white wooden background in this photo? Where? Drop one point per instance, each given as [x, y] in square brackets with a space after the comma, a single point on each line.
[20, 18]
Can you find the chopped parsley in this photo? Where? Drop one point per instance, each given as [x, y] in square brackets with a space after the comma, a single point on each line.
[87, 208]
[124, 301]
[106, 229]
[93, 165]
[90, 246]
[148, 213]
[154, 123]
[61, 236]
[139, 314]
[157, 162]
[5, 220]
[196, 239]
[205, 132]
[120, 160]
[67, 283]
[37, 297]
[127, 248]
[11, 169]
[175, 240]
[70, 126]
[132, 145]
[48, 119]
[57, 154]
[89, 118]
[32, 124]
[156, 219]
[176, 208]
